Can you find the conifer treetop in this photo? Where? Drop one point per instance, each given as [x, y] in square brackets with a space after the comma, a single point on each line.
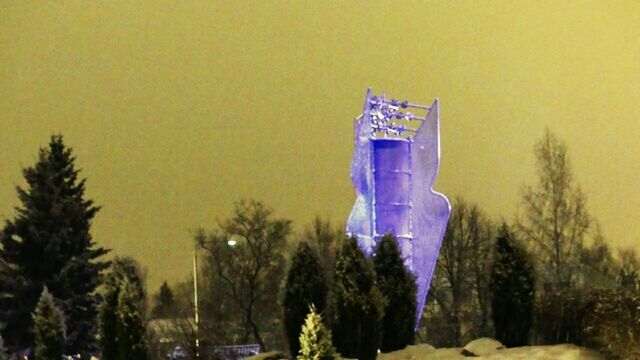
[48, 243]
[49, 327]
[315, 339]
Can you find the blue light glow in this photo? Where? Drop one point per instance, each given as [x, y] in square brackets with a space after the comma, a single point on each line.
[395, 162]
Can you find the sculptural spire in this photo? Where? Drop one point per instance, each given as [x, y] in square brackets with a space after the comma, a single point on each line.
[395, 162]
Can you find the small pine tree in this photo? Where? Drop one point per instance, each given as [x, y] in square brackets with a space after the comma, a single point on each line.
[130, 328]
[305, 285]
[398, 286]
[108, 318]
[315, 339]
[4, 353]
[165, 302]
[356, 303]
[122, 270]
[513, 292]
[49, 329]
[628, 279]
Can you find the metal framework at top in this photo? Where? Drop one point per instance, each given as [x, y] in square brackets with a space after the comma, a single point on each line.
[389, 117]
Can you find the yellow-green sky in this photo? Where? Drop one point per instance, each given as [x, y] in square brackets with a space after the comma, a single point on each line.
[177, 109]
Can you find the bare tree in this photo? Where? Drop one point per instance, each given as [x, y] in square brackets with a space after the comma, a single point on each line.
[460, 286]
[482, 231]
[628, 258]
[628, 267]
[180, 328]
[325, 239]
[246, 252]
[215, 327]
[555, 219]
[597, 264]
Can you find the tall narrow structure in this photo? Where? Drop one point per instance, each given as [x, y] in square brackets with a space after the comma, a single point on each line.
[395, 162]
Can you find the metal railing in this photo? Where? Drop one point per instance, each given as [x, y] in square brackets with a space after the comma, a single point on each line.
[237, 352]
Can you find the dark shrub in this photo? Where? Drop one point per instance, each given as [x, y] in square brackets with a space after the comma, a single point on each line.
[398, 286]
[305, 286]
[513, 292]
[357, 304]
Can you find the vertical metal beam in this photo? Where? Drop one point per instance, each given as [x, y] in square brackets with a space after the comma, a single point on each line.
[195, 300]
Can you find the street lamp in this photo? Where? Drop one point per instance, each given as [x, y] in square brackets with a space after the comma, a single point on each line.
[231, 242]
[195, 299]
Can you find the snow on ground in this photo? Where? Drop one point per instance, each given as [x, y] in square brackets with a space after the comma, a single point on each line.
[485, 348]
[482, 347]
[549, 352]
[559, 352]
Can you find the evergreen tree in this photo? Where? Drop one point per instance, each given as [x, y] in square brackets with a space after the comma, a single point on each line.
[513, 292]
[48, 244]
[4, 354]
[315, 339]
[130, 327]
[356, 303]
[108, 316]
[628, 279]
[49, 329]
[398, 287]
[165, 302]
[124, 274]
[305, 285]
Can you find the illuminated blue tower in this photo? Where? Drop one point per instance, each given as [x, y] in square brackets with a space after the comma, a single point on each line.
[395, 162]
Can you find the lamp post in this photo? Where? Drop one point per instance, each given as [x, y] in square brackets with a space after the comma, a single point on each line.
[195, 299]
[232, 243]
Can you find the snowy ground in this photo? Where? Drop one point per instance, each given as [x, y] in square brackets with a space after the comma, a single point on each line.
[484, 349]
[479, 349]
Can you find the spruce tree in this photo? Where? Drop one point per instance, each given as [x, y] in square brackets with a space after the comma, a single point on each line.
[48, 243]
[108, 316]
[305, 285]
[513, 292]
[398, 287]
[315, 339]
[4, 354]
[356, 303]
[124, 274]
[130, 326]
[49, 329]
[165, 302]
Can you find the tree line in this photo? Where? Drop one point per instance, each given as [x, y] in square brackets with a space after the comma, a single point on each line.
[512, 280]
[547, 276]
[250, 295]
[58, 295]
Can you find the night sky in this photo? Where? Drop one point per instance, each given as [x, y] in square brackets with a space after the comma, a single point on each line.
[176, 110]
